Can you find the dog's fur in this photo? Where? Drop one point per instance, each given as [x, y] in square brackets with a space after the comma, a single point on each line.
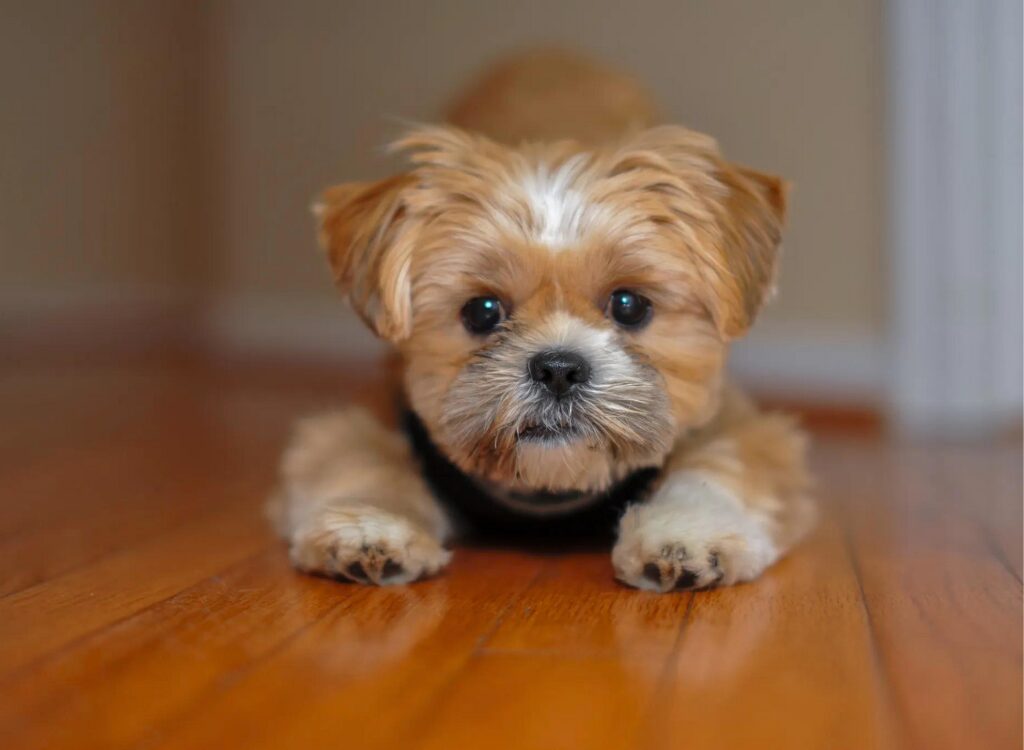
[551, 190]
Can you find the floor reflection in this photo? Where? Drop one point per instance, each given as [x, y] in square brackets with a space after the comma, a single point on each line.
[384, 626]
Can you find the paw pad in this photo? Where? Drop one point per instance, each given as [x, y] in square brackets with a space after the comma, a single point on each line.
[373, 565]
[674, 569]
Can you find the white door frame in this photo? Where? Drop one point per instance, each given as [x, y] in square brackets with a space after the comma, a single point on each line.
[954, 123]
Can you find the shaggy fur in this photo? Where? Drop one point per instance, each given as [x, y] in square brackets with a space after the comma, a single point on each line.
[551, 229]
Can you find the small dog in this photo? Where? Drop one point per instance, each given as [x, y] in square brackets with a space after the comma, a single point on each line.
[561, 281]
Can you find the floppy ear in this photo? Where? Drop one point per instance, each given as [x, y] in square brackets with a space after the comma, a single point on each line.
[364, 232]
[730, 217]
[750, 219]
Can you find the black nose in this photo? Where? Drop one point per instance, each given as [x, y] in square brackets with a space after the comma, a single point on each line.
[559, 371]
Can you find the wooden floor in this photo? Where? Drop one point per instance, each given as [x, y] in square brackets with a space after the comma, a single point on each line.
[145, 604]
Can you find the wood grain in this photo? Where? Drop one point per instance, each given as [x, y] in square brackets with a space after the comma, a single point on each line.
[795, 648]
[944, 606]
[144, 603]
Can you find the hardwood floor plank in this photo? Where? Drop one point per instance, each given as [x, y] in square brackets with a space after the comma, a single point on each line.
[789, 657]
[579, 654]
[43, 618]
[114, 687]
[156, 463]
[529, 701]
[43, 488]
[61, 407]
[149, 605]
[985, 485]
[946, 612]
[127, 510]
[366, 671]
[114, 469]
[578, 608]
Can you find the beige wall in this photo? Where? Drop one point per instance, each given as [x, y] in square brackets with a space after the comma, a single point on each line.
[312, 90]
[98, 126]
[179, 144]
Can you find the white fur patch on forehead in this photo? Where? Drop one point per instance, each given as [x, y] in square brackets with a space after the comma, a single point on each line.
[560, 211]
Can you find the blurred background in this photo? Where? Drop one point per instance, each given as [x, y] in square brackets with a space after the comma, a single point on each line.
[166, 315]
[159, 158]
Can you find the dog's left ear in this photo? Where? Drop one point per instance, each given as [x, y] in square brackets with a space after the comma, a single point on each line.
[731, 217]
[750, 220]
[369, 248]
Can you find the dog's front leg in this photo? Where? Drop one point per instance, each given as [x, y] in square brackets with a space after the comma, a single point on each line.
[734, 500]
[352, 503]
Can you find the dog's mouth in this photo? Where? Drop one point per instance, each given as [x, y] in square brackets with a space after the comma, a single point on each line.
[547, 433]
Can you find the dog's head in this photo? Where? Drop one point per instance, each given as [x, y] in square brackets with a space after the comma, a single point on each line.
[563, 313]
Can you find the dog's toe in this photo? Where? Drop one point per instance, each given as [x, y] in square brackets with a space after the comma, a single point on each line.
[391, 569]
[687, 580]
[357, 572]
[652, 573]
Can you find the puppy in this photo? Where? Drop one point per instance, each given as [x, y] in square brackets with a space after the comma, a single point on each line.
[561, 282]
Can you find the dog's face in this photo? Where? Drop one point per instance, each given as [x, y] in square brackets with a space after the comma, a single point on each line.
[563, 314]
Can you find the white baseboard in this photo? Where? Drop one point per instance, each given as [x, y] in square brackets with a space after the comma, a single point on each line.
[820, 363]
[28, 301]
[94, 317]
[327, 330]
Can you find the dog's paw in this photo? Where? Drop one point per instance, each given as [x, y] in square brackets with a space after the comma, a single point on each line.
[367, 545]
[695, 541]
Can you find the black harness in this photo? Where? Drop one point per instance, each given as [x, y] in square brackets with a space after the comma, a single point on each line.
[476, 504]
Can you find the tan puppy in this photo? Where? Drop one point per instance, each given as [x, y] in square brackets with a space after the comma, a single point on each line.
[563, 310]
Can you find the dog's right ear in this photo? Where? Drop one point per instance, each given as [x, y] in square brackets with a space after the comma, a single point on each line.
[369, 248]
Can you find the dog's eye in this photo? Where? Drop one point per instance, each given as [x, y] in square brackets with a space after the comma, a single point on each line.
[482, 314]
[629, 309]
